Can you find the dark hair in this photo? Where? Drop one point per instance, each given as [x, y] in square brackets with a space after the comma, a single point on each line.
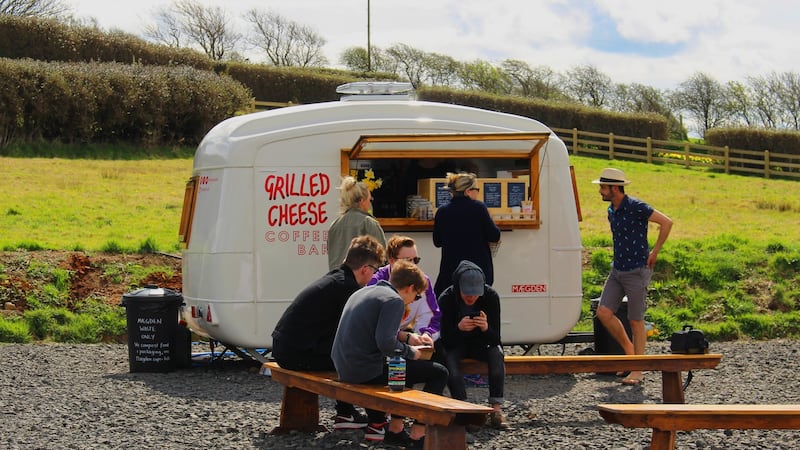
[405, 273]
[364, 250]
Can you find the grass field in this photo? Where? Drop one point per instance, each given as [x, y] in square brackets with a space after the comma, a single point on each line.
[93, 205]
[731, 264]
[66, 204]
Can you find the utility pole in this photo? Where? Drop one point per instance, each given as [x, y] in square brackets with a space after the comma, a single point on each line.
[369, 46]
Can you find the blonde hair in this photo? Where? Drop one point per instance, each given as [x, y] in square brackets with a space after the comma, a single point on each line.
[350, 193]
[460, 182]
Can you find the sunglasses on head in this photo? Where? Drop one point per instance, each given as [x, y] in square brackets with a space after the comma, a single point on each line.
[418, 296]
[413, 259]
[474, 189]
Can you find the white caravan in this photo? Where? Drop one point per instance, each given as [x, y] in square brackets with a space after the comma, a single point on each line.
[264, 193]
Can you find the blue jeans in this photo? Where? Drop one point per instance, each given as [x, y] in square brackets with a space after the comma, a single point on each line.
[493, 355]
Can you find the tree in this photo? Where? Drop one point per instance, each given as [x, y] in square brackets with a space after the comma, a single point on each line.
[355, 58]
[207, 27]
[34, 8]
[534, 82]
[704, 99]
[167, 30]
[588, 85]
[286, 42]
[441, 70]
[740, 103]
[410, 62]
[789, 97]
[482, 75]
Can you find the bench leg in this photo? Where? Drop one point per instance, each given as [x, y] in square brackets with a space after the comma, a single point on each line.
[672, 389]
[299, 412]
[662, 440]
[446, 438]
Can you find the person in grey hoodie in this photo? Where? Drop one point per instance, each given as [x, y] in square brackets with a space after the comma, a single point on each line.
[471, 329]
[368, 334]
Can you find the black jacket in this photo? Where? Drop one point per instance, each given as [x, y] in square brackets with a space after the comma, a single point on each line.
[309, 323]
[452, 308]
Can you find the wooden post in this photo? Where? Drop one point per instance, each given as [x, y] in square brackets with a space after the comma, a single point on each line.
[686, 161]
[727, 160]
[649, 147]
[610, 145]
[766, 163]
[575, 141]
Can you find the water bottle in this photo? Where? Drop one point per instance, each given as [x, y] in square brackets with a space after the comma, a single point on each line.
[397, 371]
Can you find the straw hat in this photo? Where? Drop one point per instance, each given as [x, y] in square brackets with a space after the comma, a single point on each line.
[613, 177]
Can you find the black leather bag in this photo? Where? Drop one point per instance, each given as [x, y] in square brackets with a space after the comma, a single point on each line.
[688, 340]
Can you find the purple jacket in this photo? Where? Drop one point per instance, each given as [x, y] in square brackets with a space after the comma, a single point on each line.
[424, 315]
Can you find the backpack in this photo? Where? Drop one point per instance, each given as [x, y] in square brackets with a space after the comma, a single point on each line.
[688, 340]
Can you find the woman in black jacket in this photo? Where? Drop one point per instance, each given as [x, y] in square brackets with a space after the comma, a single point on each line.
[463, 230]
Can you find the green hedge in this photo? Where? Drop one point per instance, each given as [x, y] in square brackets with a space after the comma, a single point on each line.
[557, 115]
[50, 40]
[111, 102]
[755, 139]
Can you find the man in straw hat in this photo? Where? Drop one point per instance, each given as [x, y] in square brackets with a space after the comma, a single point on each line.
[633, 262]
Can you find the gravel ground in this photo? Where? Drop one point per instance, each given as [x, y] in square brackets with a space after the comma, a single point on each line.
[61, 396]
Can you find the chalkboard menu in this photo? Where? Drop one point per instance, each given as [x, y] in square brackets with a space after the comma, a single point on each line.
[442, 195]
[517, 193]
[492, 195]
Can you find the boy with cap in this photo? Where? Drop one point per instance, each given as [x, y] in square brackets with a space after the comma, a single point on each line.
[471, 329]
[633, 263]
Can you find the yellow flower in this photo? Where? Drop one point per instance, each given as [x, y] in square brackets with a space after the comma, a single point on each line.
[369, 179]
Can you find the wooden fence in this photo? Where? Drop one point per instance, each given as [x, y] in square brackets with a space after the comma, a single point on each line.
[723, 159]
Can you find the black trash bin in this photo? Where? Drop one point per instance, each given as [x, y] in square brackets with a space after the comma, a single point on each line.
[604, 343]
[153, 329]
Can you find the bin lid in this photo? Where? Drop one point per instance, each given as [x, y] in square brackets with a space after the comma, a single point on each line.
[152, 293]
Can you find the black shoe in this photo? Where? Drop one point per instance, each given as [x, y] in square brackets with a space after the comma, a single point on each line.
[400, 439]
[416, 444]
[352, 421]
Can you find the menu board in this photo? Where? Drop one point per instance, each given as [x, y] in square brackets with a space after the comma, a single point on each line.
[517, 193]
[492, 195]
[442, 195]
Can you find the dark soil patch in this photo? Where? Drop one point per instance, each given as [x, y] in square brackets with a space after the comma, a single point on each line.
[100, 276]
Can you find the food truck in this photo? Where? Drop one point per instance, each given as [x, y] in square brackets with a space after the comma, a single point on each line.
[263, 194]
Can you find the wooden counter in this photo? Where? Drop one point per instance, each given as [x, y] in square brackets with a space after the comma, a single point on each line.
[409, 224]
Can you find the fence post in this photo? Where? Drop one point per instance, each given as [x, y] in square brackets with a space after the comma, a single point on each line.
[575, 141]
[610, 145]
[252, 104]
[686, 154]
[766, 163]
[727, 160]
[649, 147]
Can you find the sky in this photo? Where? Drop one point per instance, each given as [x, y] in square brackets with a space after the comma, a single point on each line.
[651, 42]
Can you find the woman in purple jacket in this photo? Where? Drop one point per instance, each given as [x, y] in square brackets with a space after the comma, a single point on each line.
[421, 317]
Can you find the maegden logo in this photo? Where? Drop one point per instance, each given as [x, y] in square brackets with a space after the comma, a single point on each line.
[526, 288]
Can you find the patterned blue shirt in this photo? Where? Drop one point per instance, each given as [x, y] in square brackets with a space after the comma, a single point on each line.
[629, 231]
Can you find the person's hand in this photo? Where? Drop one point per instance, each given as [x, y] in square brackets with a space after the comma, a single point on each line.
[415, 339]
[426, 339]
[467, 324]
[481, 321]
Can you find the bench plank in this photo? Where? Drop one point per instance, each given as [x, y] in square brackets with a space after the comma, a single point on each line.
[443, 417]
[669, 364]
[546, 365]
[665, 420]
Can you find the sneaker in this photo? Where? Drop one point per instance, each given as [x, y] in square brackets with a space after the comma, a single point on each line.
[352, 421]
[376, 432]
[400, 439]
[416, 444]
[498, 422]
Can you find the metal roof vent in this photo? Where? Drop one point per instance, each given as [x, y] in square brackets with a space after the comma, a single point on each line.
[376, 90]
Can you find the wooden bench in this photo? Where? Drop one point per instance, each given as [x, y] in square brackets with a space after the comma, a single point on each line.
[665, 420]
[670, 365]
[444, 418]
